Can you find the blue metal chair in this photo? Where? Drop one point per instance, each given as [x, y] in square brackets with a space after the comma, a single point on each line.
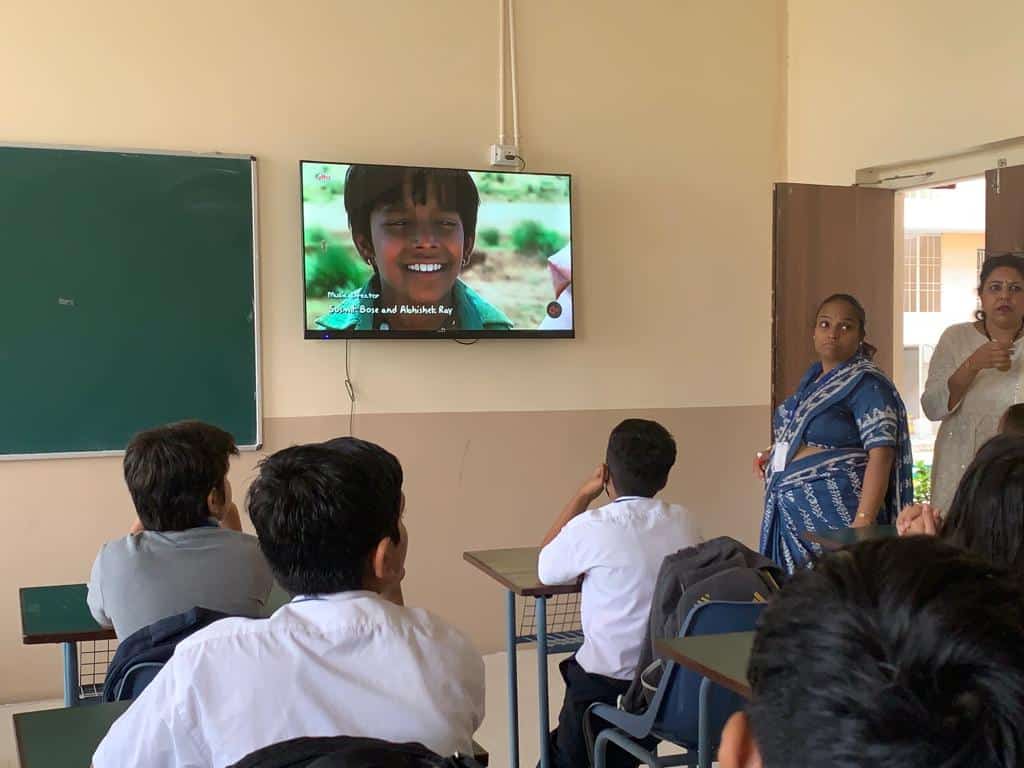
[687, 707]
[135, 680]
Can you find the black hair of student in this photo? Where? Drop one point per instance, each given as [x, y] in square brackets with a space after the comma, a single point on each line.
[320, 511]
[171, 470]
[898, 652]
[371, 186]
[640, 455]
[1012, 261]
[986, 515]
[866, 349]
[1012, 422]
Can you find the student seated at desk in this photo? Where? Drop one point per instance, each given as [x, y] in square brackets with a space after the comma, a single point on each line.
[898, 652]
[339, 659]
[187, 548]
[987, 513]
[618, 548]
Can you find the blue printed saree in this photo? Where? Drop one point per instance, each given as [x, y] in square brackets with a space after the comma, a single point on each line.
[847, 412]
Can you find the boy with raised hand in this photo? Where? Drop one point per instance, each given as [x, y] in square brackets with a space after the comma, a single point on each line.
[618, 549]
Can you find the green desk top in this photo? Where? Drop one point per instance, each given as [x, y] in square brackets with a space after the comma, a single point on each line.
[68, 737]
[843, 537]
[63, 738]
[58, 614]
[723, 658]
[516, 570]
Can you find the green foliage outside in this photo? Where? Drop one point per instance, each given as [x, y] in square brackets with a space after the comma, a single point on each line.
[332, 265]
[321, 184]
[490, 236]
[521, 188]
[531, 238]
[922, 479]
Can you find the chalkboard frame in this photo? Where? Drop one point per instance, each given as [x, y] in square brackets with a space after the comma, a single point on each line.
[257, 334]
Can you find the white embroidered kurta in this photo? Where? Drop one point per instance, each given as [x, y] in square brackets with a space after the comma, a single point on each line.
[976, 417]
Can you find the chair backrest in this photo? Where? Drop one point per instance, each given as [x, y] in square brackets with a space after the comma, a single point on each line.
[135, 679]
[677, 713]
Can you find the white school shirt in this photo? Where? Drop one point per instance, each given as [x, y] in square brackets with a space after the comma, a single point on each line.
[351, 664]
[619, 549]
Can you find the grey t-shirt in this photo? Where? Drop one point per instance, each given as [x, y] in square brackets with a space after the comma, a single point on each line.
[149, 576]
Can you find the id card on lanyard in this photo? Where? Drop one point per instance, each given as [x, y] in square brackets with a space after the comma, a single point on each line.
[780, 452]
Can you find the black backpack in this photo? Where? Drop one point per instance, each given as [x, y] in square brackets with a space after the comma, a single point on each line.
[350, 752]
[719, 569]
[152, 647]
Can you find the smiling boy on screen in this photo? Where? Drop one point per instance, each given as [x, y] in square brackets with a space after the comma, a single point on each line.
[416, 227]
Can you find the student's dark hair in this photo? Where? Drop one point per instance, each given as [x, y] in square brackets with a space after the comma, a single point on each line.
[898, 652]
[1012, 422]
[640, 455]
[1014, 261]
[866, 349]
[320, 511]
[987, 512]
[370, 186]
[171, 470]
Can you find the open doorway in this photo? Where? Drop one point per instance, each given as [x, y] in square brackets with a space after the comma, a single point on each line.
[943, 248]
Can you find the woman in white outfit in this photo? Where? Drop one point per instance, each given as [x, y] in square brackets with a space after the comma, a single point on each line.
[975, 374]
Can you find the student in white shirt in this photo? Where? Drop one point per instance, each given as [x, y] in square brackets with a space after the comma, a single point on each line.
[343, 658]
[618, 548]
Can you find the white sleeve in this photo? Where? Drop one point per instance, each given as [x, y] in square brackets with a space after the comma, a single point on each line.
[692, 528]
[935, 400]
[475, 688]
[94, 597]
[153, 731]
[559, 561]
[459, 687]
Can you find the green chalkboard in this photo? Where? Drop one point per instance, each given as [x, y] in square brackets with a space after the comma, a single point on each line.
[127, 297]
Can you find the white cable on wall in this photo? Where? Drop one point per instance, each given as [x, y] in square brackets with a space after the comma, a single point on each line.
[512, 69]
[501, 72]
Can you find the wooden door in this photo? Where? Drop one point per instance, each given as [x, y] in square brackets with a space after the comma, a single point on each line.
[828, 240]
[1004, 210]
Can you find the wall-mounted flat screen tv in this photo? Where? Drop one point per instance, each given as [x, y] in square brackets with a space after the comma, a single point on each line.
[394, 251]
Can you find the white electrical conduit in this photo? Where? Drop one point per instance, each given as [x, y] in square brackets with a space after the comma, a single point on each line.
[512, 68]
[501, 71]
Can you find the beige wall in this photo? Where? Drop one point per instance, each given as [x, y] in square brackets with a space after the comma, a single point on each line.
[668, 113]
[877, 81]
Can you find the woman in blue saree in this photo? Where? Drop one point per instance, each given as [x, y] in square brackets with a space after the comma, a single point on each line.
[841, 454]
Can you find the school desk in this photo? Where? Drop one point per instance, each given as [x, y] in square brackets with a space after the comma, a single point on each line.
[516, 570]
[720, 658]
[59, 614]
[66, 738]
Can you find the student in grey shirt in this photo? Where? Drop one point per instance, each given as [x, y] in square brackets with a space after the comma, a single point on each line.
[187, 548]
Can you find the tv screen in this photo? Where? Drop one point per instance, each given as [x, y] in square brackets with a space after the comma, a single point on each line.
[393, 251]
